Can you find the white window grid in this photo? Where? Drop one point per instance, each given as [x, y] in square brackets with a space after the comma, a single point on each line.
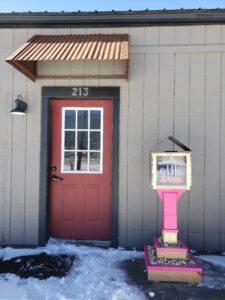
[76, 109]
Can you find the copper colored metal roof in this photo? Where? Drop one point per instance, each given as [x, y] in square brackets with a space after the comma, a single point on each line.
[69, 47]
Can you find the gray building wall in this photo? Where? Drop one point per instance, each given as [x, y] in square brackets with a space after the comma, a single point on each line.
[176, 87]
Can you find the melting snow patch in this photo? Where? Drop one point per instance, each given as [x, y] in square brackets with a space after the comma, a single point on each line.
[213, 278]
[218, 260]
[95, 275]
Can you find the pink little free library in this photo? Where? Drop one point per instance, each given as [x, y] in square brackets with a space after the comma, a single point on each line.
[170, 259]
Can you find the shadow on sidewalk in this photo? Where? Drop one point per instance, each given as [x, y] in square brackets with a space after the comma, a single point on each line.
[212, 285]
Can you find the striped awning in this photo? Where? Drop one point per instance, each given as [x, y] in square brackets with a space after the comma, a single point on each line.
[69, 48]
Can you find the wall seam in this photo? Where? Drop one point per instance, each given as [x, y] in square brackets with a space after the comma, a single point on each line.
[204, 204]
[25, 166]
[174, 94]
[189, 136]
[143, 109]
[127, 202]
[174, 84]
[158, 135]
[221, 61]
[11, 148]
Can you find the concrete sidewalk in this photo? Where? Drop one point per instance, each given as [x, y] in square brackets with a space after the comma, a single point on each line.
[212, 285]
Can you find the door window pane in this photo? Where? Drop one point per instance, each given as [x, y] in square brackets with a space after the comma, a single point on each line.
[70, 119]
[95, 122]
[94, 161]
[82, 119]
[70, 140]
[95, 137]
[69, 160]
[82, 161]
[82, 140]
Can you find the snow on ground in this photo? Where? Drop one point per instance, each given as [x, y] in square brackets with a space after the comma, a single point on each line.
[95, 275]
[218, 260]
[210, 277]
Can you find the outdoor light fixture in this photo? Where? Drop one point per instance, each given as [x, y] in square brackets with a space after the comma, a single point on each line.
[21, 107]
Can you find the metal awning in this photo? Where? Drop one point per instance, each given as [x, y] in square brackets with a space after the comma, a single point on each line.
[102, 47]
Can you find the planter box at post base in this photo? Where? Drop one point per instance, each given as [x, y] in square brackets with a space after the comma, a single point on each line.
[170, 252]
[159, 273]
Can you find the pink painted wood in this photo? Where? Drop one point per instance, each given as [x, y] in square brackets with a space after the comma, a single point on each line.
[150, 266]
[169, 199]
[158, 247]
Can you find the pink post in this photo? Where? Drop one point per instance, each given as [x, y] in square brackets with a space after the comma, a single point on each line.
[169, 225]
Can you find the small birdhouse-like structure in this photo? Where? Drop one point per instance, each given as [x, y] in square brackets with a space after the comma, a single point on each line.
[171, 170]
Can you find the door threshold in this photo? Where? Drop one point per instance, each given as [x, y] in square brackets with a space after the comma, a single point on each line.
[91, 243]
[98, 244]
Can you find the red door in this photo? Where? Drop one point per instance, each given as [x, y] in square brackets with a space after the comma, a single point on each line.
[81, 169]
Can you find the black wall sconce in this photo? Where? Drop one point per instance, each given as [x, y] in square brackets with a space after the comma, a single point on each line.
[21, 107]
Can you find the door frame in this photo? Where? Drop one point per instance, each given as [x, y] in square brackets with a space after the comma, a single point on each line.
[75, 92]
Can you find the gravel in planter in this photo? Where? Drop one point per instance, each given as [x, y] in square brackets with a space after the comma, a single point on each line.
[168, 261]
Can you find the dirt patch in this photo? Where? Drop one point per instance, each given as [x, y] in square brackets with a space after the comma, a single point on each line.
[40, 266]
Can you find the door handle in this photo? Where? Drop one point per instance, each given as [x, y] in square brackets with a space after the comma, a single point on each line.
[56, 178]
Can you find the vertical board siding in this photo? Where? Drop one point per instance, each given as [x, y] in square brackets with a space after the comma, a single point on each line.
[166, 98]
[32, 165]
[213, 34]
[166, 110]
[212, 143]
[212, 242]
[106, 67]
[32, 159]
[151, 36]
[77, 68]
[135, 132]
[48, 66]
[197, 139]
[213, 140]
[222, 242]
[222, 34]
[182, 35]
[198, 35]
[123, 164]
[150, 140]
[222, 151]
[80, 68]
[166, 35]
[137, 36]
[6, 96]
[170, 93]
[181, 128]
[197, 145]
[19, 135]
[196, 241]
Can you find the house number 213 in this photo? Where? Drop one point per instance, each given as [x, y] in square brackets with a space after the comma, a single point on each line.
[80, 91]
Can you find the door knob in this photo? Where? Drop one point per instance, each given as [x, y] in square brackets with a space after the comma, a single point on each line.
[56, 178]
